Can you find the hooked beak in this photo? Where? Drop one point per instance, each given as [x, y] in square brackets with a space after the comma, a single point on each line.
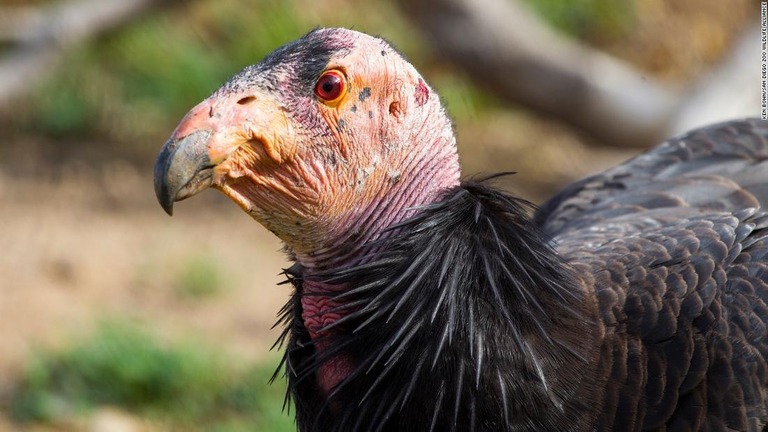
[203, 139]
[183, 168]
[202, 150]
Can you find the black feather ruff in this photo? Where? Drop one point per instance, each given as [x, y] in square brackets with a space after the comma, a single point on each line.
[461, 318]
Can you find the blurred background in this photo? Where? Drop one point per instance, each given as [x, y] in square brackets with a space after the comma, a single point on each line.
[114, 317]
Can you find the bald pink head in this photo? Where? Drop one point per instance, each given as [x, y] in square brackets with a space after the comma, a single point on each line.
[316, 171]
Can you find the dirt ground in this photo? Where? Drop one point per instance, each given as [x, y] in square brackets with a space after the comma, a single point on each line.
[89, 244]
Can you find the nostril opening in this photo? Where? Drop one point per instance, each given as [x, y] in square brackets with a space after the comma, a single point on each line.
[246, 100]
[394, 109]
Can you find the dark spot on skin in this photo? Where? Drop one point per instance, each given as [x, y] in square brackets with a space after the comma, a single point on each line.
[354, 108]
[332, 159]
[298, 223]
[383, 53]
[342, 123]
[422, 93]
[365, 94]
[370, 114]
[210, 112]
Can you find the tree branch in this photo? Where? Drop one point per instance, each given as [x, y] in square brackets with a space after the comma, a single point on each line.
[42, 34]
[525, 62]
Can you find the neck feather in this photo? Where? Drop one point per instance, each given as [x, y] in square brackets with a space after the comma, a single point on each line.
[464, 304]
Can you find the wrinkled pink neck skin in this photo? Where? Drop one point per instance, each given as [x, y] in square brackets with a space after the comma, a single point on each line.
[437, 172]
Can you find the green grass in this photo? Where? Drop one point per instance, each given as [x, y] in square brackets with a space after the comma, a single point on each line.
[586, 19]
[178, 386]
[200, 277]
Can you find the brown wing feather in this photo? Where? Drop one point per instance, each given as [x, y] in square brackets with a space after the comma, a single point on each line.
[676, 242]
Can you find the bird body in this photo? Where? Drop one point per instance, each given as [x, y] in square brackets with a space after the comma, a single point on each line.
[443, 332]
[633, 300]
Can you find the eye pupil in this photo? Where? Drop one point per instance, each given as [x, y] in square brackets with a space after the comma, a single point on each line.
[328, 86]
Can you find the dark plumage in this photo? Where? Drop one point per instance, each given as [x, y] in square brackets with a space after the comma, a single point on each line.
[633, 300]
[452, 321]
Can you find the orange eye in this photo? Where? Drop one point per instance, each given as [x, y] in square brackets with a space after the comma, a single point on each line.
[331, 87]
